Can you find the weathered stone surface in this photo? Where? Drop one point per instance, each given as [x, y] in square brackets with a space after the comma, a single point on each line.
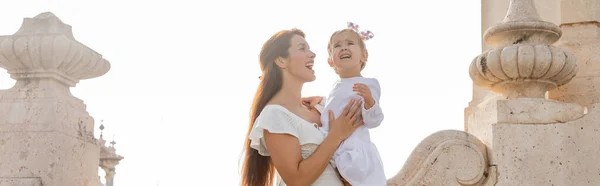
[46, 134]
[445, 158]
[20, 182]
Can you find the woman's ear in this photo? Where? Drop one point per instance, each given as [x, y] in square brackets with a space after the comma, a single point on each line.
[280, 62]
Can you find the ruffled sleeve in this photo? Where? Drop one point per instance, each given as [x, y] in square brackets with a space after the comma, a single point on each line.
[273, 120]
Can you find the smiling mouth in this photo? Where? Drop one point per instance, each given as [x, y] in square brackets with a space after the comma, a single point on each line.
[310, 65]
[345, 56]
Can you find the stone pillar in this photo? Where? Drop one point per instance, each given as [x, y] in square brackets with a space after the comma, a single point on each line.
[110, 174]
[109, 158]
[108, 163]
[581, 28]
[46, 134]
[512, 65]
[525, 132]
[493, 12]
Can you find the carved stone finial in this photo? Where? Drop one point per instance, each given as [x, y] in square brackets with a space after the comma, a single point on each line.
[45, 23]
[101, 140]
[113, 143]
[44, 48]
[524, 63]
[101, 126]
[522, 24]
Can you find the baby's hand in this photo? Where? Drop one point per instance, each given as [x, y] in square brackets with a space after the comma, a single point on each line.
[364, 91]
[310, 102]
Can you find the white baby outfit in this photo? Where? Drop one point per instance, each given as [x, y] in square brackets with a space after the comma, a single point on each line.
[357, 158]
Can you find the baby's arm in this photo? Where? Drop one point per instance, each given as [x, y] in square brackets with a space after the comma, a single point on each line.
[371, 112]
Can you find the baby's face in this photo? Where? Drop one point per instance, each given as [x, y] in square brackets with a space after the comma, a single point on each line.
[346, 52]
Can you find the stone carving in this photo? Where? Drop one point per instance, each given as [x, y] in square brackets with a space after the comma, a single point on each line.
[45, 129]
[523, 62]
[109, 158]
[44, 48]
[448, 158]
[532, 140]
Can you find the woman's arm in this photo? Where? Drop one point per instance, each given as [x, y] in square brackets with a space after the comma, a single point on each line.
[286, 156]
[284, 149]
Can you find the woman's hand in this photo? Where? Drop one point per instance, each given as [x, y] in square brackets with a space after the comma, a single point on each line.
[347, 122]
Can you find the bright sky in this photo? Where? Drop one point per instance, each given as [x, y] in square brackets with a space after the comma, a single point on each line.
[183, 73]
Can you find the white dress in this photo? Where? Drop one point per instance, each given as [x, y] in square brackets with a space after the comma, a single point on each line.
[277, 119]
[357, 159]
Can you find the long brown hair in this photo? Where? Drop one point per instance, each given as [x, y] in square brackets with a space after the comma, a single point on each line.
[257, 170]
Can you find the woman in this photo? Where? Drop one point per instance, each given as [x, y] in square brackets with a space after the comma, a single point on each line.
[283, 133]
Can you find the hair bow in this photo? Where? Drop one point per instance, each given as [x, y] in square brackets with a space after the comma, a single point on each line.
[364, 34]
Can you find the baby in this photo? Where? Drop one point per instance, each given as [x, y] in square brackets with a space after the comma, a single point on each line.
[357, 158]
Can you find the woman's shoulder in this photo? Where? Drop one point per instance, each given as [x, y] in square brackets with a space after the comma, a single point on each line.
[278, 118]
[273, 111]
